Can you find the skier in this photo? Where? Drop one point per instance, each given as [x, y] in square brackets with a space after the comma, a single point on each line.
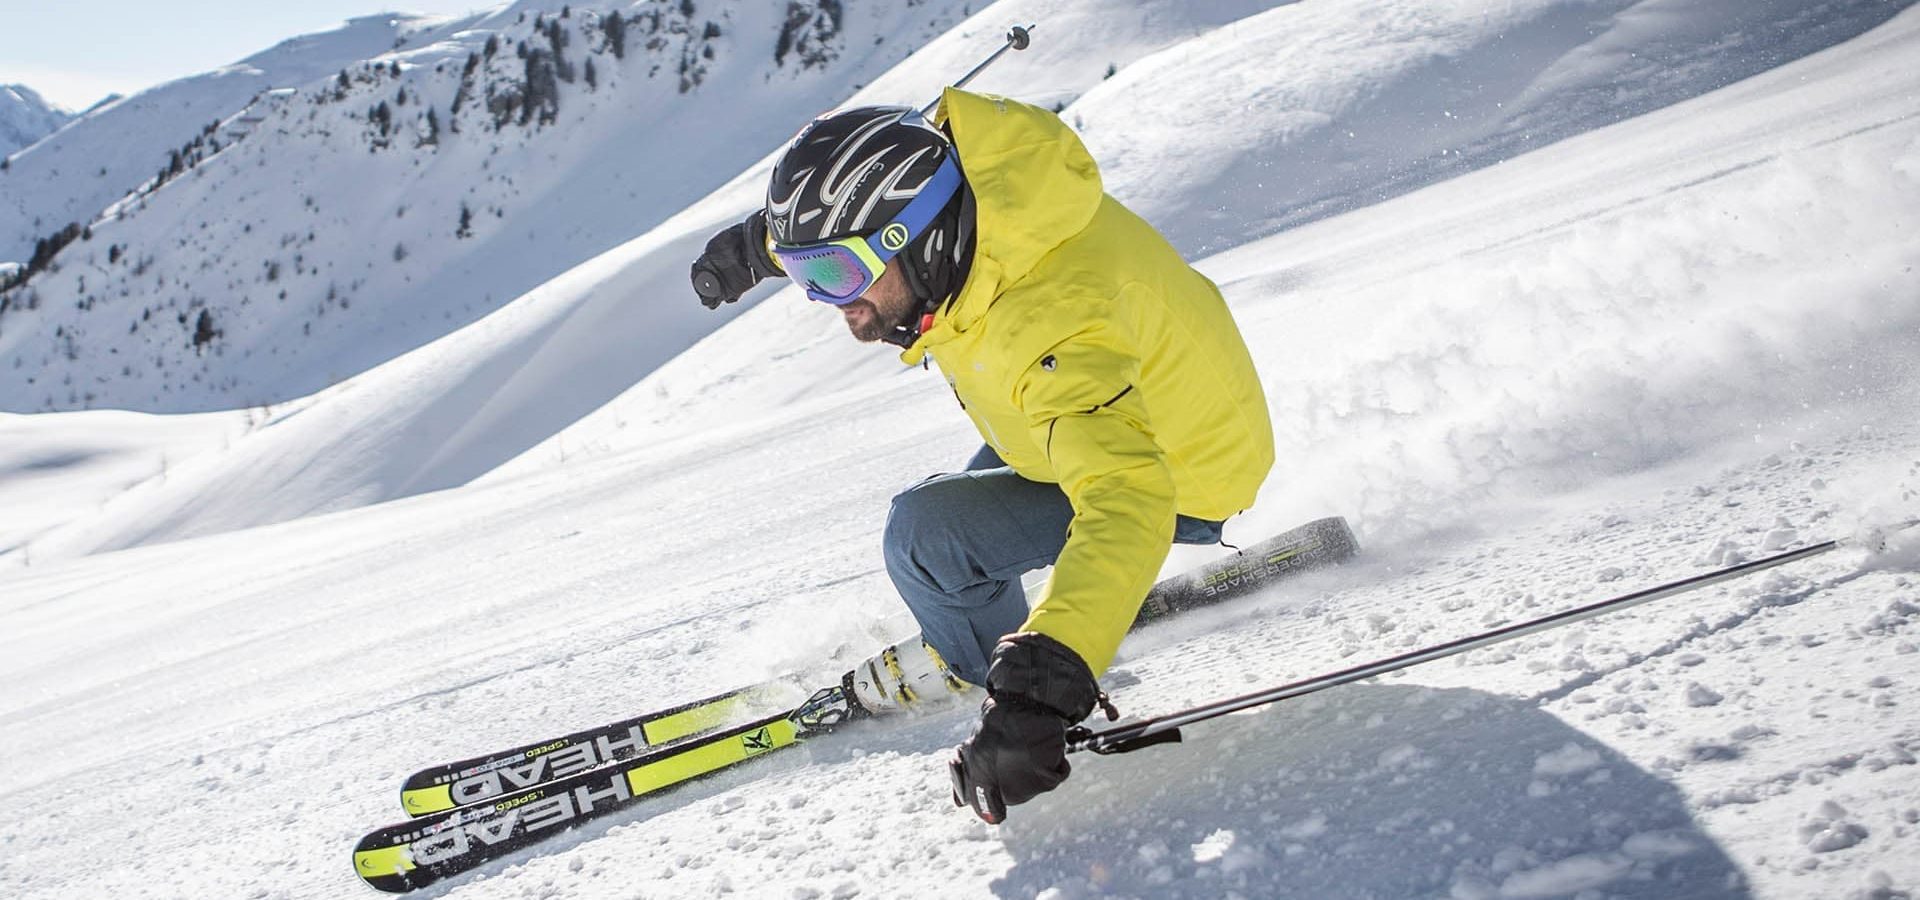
[1118, 402]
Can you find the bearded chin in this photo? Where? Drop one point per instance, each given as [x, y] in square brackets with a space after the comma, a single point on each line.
[865, 328]
[873, 326]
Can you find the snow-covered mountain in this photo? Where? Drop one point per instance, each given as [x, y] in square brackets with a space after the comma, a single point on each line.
[118, 145]
[1674, 330]
[357, 194]
[460, 408]
[26, 117]
[347, 197]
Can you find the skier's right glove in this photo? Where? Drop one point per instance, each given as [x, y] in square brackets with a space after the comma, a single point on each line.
[1036, 687]
[735, 260]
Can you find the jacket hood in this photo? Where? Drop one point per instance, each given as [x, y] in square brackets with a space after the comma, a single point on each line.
[1034, 186]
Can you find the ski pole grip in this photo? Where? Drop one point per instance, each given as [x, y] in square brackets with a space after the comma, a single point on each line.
[1128, 745]
[1081, 738]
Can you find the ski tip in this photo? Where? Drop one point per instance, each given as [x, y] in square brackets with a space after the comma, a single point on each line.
[424, 801]
[389, 869]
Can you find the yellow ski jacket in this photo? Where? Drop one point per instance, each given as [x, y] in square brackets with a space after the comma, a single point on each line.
[1090, 355]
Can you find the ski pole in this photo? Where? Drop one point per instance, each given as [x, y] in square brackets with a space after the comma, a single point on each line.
[1017, 39]
[1166, 729]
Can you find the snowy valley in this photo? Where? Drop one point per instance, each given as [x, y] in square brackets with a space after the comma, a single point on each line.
[1553, 300]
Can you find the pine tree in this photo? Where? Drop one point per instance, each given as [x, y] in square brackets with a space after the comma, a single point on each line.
[557, 39]
[542, 88]
[203, 331]
[616, 29]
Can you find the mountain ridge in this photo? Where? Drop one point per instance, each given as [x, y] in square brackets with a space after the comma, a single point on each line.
[26, 117]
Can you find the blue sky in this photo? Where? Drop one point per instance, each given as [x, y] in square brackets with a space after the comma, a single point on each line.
[75, 53]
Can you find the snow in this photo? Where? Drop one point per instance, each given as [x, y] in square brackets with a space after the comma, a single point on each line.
[59, 467]
[26, 117]
[1667, 341]
[1567, 760]
[1700, 695]
[1830, 829]
[322, 247]
[114, 146]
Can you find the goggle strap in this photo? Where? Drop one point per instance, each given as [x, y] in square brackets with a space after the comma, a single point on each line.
[921, 210]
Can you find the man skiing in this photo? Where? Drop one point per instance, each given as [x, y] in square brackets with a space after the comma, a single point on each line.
[1119, 405]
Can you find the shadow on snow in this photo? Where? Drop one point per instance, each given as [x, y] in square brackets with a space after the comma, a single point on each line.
[1369, 791]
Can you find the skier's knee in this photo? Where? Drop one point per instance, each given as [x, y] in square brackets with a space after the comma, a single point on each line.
[916, 521]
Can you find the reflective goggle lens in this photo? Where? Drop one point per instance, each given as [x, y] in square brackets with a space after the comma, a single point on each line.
[830, 272]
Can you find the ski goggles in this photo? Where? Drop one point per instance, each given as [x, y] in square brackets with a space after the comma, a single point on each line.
[839, 271]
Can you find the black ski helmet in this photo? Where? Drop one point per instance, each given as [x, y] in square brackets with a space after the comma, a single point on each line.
[851, 171]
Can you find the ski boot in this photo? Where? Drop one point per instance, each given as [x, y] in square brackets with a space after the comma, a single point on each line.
[908, 676]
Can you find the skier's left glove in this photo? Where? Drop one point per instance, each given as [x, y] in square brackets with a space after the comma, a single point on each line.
[1036, 688]
[735, 260]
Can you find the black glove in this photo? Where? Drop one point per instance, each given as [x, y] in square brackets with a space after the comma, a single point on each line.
[735, 260]
[1036, 687]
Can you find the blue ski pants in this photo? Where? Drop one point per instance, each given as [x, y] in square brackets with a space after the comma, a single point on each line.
[957, 544]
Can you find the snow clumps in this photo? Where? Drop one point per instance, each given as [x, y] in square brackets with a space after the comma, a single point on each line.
[1830, 828]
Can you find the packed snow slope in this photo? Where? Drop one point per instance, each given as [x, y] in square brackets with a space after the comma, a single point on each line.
[1664, 345]
[62, 469]
[1375, 98]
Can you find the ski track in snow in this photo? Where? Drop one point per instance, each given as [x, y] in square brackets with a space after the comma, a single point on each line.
[1674, 344]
